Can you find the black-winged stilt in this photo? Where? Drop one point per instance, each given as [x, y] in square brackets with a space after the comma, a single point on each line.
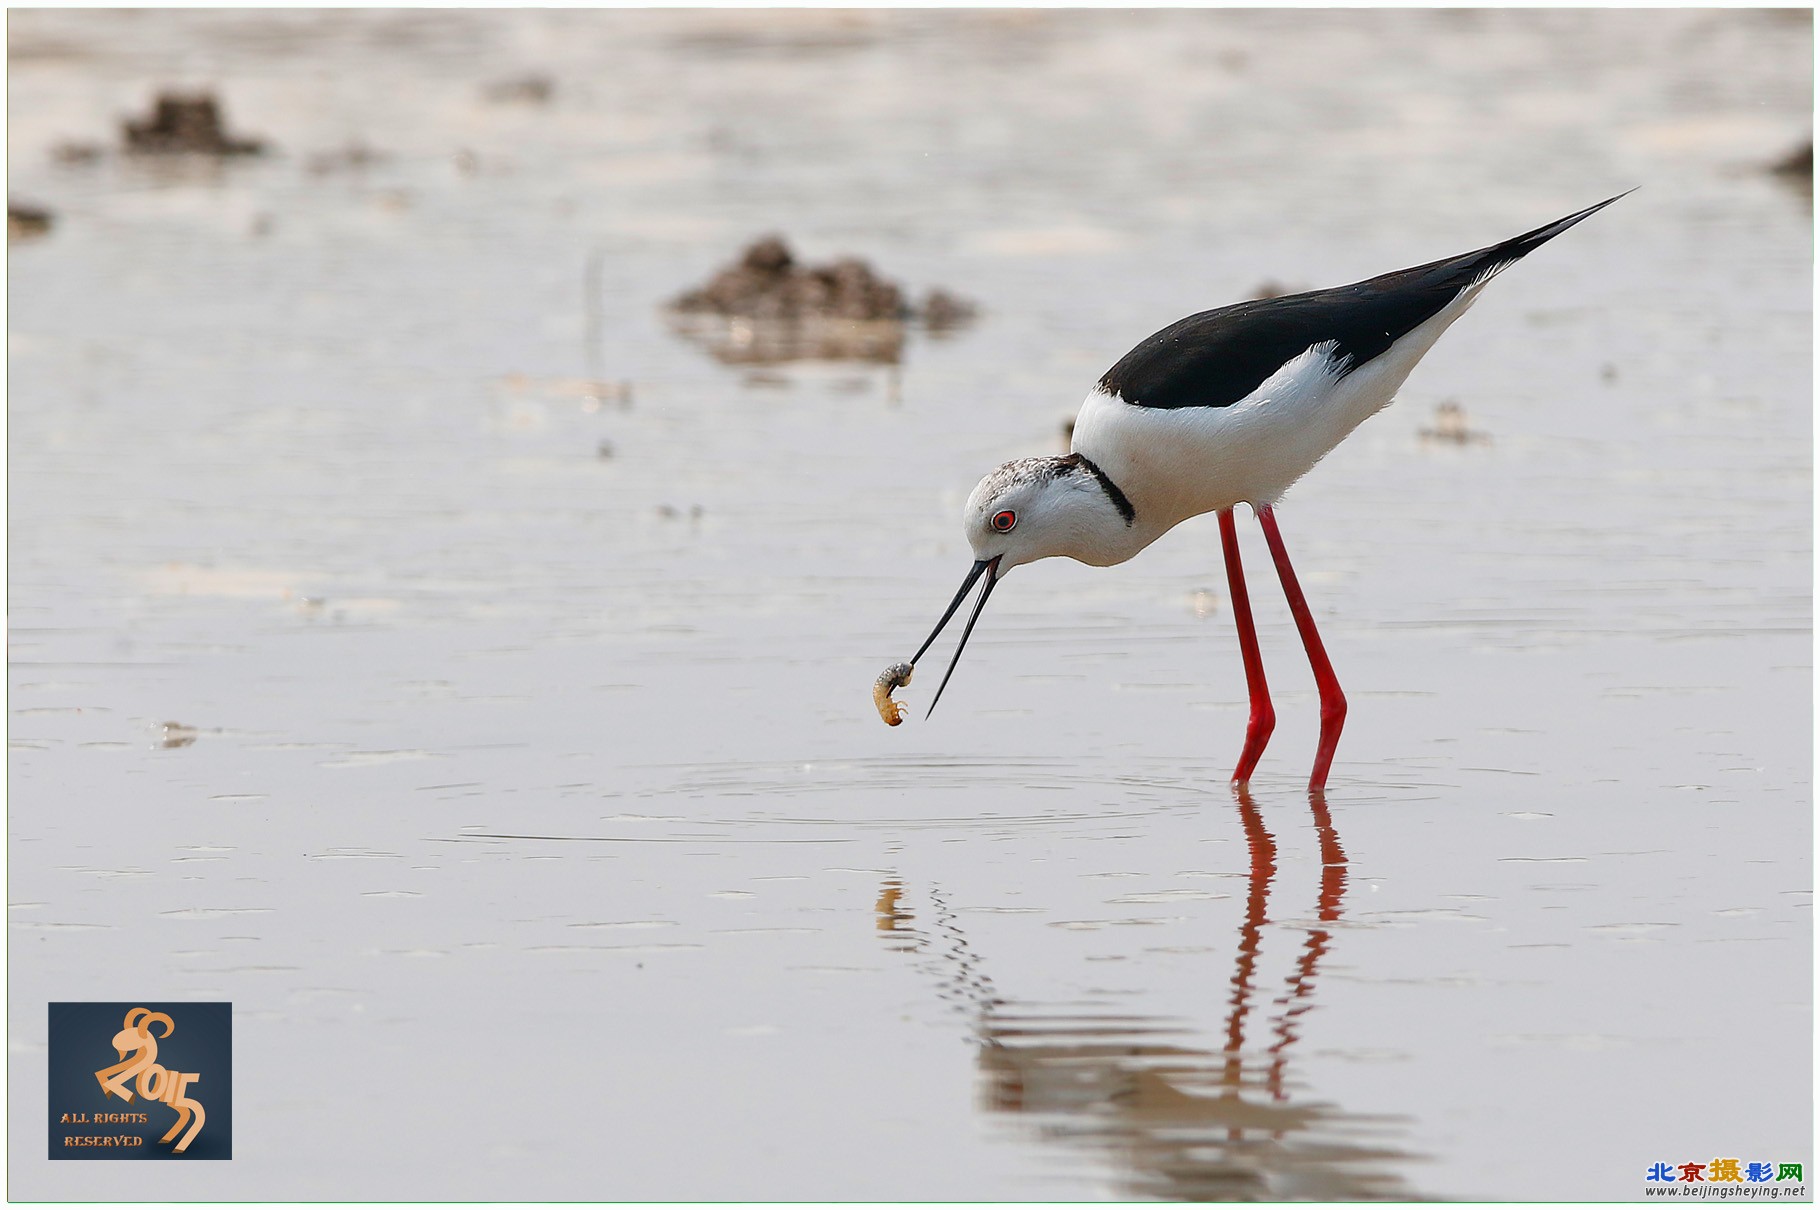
[1226, 407]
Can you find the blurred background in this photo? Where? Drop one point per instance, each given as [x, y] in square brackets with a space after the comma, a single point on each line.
[427, 636]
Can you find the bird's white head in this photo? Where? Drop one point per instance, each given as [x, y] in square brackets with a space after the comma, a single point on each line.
[1040, 508]
[1037, 508]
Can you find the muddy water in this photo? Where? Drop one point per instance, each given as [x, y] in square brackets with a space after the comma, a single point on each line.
[419, 644]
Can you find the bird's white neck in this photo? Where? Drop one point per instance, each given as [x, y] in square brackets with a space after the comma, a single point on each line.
[1098, 522]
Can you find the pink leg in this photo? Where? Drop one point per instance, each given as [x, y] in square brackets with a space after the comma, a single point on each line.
[1263, 718]
[1333, 702]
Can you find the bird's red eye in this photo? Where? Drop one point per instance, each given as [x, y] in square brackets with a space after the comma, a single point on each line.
[1004, 522]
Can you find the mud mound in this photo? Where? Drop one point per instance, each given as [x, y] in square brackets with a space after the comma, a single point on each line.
[185, 123]
[768, 283]
[767, 307]
[26, 222]
[1797, 167]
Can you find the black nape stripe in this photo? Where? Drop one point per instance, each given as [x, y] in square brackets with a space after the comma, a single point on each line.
[1119, 500]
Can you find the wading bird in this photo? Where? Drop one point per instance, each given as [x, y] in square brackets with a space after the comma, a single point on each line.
[1222, 408]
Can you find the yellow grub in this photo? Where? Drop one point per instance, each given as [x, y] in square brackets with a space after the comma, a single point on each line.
[894, 677]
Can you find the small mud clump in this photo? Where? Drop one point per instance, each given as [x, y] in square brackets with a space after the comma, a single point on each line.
[768, 308]
[768, 283]
[944, 312]
[1451, 428]
[183, 123]
[26, 222]
[354, 157]
[534, 89]
[72, 152]
[1797, 167]
[176, 735]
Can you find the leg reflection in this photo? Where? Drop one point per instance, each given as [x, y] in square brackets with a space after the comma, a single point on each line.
[1184, 1116]
[1262, 847]
[1300, 996]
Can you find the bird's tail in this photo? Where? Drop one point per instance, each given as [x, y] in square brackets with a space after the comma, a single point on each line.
[1541, 235]
[1500, 256]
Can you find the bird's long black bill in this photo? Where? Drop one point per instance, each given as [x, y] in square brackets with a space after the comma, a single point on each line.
[990, 567]
[978, 569]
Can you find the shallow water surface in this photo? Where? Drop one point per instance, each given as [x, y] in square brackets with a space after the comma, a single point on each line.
[419, 643]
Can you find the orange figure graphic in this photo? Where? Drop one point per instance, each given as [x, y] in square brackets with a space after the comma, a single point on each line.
[153, 1082]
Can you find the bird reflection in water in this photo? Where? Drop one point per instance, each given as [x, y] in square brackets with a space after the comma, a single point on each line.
[1182, 1122]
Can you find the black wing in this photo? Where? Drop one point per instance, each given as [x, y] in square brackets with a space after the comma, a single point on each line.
[1216, 358]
